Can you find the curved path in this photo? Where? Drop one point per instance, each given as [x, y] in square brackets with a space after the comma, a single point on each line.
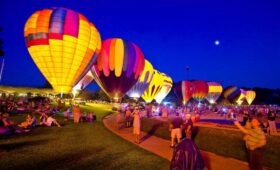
[161, 147]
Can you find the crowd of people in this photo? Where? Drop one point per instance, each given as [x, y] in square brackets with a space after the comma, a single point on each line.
[256, 123]
[38, 111]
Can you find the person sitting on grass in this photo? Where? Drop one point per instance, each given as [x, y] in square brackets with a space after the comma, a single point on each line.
[48, 120]
[27, 123]
[13, 128]
[89, 117]
[255, 141]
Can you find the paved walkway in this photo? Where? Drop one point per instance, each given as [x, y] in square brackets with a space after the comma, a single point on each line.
[161, 147]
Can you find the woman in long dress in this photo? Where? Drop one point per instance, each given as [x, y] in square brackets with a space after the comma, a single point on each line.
[137, 125]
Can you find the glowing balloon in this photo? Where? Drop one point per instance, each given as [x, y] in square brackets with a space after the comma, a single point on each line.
[86, 80]
[143, 83]
[232, 93]
[165, 89]
[119, 66]
[201, 90]
[184, 90]
[250, 96]
[154, 87]
[241, 97]
[215, 90]
[63, 44]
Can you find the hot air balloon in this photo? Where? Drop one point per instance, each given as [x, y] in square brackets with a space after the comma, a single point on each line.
[232, 93]
[250, 96]
[86, 80]
[143, 83]
[184, 90]
[241, 97]
[154, 87]
[165, 89]
[119, 66]
[201, 90]
[215, 90]
[63, 44]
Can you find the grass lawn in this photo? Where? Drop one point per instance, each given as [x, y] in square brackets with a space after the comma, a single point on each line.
[220, 141]
[74, 146]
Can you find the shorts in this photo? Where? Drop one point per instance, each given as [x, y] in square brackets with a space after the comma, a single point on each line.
[176, 133]
[136, 130]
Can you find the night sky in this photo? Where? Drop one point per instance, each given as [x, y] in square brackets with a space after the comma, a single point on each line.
[172, 34]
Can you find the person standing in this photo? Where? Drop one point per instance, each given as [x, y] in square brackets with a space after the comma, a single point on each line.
[119, 119]
[255, 141]
[245, 116]
[137, 125]
[127, 117]
[271, 121]
[76, 114]
[175, 128]
[188, 126]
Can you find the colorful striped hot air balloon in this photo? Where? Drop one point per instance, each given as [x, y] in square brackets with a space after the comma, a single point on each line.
[119, 66]
[201, 90]
[241, 97]
[63, 44]
[215, 90]
[143, 82]
[184, 90]
[250, 96]
[232, 93]
[165, 89]
[154, 87]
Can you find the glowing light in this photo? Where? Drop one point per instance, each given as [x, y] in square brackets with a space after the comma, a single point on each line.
[211, 101]
[217, 42]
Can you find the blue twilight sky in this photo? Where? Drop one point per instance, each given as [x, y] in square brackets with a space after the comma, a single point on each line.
[172, 34]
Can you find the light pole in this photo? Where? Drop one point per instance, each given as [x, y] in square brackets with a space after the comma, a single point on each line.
[188, 74]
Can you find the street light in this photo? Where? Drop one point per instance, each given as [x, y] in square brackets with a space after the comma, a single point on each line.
[188, 70]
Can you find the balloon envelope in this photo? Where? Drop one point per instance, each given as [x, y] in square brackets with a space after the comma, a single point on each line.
[143, 82]
[86, 80]
[154, 87]
[165, 89]
[63, 44]
[119, 66]
[215, 90]
[241, 97]
[250, 96]
[232, 93]
[184, 90]
[201, 90]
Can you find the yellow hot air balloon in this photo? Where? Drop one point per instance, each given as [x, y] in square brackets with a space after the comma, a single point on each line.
[250, 96]
[154, 87]
[241, 97]
[63, 44]
[165, 89]
[143, 82]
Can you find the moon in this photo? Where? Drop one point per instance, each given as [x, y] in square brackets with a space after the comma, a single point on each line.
[217, 42]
